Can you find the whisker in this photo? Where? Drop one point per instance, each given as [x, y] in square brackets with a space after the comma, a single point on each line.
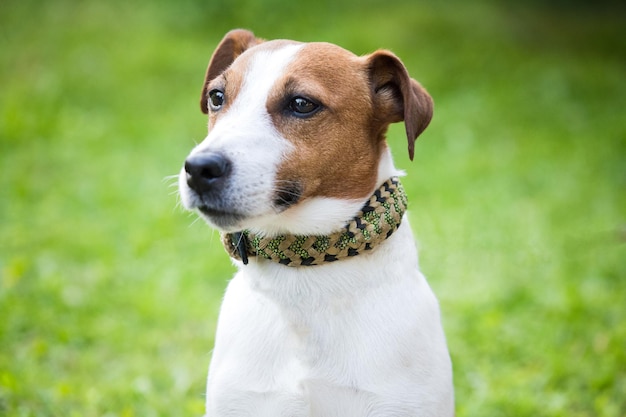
[291, 182]
[196, 220]
[286, 191]
[171, 181]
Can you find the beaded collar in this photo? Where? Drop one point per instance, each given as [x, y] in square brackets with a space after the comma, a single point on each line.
[376, 221]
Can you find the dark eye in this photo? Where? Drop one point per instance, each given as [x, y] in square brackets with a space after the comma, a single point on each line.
[216, 99]
[301, 106]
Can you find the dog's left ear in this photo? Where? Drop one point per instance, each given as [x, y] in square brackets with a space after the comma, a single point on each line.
[234, 44]
[397, 96]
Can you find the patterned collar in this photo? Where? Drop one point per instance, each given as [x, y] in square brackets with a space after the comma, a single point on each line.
[376, 221]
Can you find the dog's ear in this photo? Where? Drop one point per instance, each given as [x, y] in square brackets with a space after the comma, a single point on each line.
[397, 96]
[234, 44]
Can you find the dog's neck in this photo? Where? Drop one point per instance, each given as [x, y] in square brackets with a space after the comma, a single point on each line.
[378, 219]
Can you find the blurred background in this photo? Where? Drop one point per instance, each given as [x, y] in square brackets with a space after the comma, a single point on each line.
[109, 291]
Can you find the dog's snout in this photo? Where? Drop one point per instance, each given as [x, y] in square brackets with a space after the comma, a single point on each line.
[204, 170]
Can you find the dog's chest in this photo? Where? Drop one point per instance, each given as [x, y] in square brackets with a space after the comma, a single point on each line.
[330, 342]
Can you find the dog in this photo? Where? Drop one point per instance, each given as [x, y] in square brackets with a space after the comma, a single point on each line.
[328, 314]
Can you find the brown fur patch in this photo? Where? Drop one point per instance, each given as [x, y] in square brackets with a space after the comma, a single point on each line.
[338, 148]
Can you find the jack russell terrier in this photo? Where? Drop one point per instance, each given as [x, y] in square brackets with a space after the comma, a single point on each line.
[329, 314]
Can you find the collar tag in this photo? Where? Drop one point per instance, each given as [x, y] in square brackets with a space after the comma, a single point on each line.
[239, 241]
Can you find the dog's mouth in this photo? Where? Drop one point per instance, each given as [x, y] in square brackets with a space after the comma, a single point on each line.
[231, 212]
[229, 220]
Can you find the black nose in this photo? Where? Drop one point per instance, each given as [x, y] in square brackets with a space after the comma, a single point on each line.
[204, 170]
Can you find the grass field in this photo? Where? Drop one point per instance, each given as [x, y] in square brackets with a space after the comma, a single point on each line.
[109, 291]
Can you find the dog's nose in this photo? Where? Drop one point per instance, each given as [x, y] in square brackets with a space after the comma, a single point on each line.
[205, 169]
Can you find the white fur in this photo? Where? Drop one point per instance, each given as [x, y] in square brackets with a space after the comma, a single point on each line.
[358, 337]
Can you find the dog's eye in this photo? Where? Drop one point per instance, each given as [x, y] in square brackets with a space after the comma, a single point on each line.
[301, 106]
[216, 99]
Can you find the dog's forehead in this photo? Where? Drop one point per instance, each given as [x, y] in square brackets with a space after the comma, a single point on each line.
[327, 51]
[314, 56]
[261, 65]
[273, 51]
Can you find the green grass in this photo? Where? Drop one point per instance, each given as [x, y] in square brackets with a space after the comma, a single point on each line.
[109, 292]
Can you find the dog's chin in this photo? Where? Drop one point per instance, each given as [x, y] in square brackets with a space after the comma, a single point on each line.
[223, 221]
[274, 222]
[231, 222]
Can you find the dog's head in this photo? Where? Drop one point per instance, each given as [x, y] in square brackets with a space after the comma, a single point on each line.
[296, 133]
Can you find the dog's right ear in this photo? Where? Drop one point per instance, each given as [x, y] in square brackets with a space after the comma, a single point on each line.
[234, 44]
